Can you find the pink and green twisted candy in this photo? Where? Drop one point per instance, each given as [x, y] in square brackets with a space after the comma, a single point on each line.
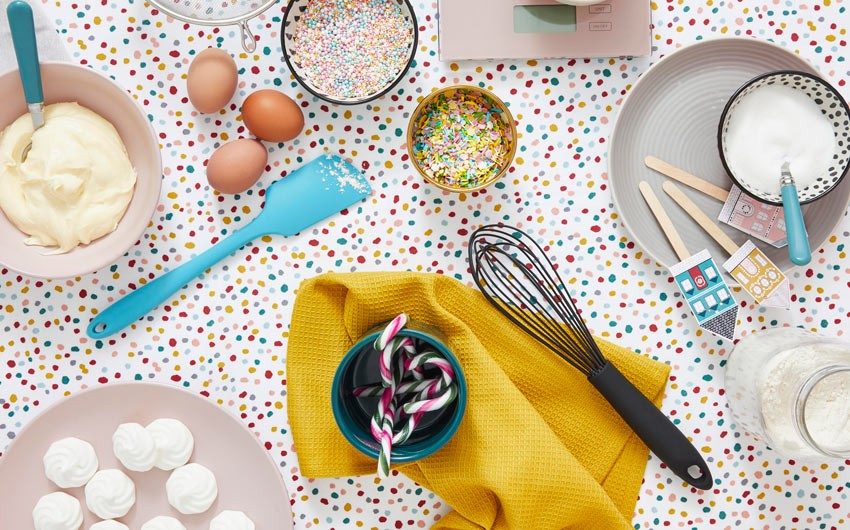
[405, 393]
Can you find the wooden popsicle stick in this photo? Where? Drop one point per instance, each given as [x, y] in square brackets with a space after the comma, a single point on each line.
[664, 220]
[693, 181]
[700, 217]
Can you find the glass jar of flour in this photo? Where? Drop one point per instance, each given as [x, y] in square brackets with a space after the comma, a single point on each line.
[791, 388]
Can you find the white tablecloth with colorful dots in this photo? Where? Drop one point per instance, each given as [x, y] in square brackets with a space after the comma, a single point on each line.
[227, 339]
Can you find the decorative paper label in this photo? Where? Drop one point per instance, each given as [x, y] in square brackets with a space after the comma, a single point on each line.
[763, 221]
[707, 293]
[756, 274]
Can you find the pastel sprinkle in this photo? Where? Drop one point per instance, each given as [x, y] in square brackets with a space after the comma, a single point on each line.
[351, 48]
[461, 139]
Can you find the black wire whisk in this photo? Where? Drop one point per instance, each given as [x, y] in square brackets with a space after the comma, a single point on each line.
[517, 277]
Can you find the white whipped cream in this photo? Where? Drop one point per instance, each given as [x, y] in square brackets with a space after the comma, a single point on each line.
[133, 445]
[231, 520]
[70, 462]
[760, 139]
[110, 494]
[174, 443]
[76, 182]
[191, 489]
[57, 511]
[163, 523]
[109, 525]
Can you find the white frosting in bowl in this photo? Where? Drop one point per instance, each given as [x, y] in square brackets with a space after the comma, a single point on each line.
[57, 511]
[70, 462]
[110, 494]
[174, 443]
[231, 520]
[134, 447]
[75, 183]
[163, 523]
[191, 489]
[109, 525]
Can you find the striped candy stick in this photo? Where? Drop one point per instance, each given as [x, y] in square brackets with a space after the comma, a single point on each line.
[383, 422]
[428, 405]
[429, 395]
[406, 387]
[399, 360]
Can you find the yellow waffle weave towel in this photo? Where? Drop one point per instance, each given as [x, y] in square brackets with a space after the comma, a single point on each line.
[538, 447]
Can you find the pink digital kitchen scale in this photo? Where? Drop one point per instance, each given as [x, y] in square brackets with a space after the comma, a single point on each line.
[540, 29]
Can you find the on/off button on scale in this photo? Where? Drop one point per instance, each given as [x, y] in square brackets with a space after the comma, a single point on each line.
[600, 9]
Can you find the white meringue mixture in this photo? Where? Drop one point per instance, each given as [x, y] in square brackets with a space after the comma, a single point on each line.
[110, 494]
[174, 443]
[109, 525]
[57, 511]
[163, 523]
[191, 489]
[70, 462]
[231, 520]
[134, 447]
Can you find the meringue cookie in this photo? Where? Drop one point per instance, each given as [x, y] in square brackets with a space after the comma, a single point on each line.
[70, 462]
[109, 525]
[57, 511]
[231, 520]
[191, 489]
[163, 523]
[110, 494]
[134, 447]
[174, 443]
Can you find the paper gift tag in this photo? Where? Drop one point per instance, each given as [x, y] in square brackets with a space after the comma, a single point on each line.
[763, 221]
[707, 294]
[759, 276]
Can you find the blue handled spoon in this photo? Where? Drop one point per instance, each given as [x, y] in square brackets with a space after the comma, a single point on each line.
[314, 192]
[799, 249]
[26, 50]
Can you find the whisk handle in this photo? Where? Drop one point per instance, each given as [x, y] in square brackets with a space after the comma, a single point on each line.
[653, 427]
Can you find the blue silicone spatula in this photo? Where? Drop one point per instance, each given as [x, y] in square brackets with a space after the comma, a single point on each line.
[314, 192]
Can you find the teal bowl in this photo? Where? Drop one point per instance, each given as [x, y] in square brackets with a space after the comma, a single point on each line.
[353, 415]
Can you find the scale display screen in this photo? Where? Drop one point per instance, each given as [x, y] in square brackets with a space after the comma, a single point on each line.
[544, 19]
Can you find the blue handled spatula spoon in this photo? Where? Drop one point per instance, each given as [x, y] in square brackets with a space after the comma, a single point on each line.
[314, 192]
[26, 51]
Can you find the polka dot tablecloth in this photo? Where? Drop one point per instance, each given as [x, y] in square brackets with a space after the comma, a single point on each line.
[225, 336]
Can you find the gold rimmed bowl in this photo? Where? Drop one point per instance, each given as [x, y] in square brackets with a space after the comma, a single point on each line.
[449, 125]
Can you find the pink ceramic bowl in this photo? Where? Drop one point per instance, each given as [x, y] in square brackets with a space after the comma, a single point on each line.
[69, 82]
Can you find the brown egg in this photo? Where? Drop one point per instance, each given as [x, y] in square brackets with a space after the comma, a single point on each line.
[272, 116]
[211, 81]
[237, 165]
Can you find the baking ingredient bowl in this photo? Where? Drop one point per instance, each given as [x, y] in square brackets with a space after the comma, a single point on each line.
[435, 111]
[302, 64]
[360, 367]
[832, 106]
[72, 83]
[819, 138]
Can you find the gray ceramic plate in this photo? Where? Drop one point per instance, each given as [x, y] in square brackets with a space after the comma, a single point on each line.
[673, 112]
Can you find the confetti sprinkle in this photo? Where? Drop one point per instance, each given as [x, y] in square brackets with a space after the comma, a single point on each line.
[352, 49]
[462, 139]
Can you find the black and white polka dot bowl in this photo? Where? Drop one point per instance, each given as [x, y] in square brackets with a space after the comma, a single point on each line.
[390, 52]
[833, 107]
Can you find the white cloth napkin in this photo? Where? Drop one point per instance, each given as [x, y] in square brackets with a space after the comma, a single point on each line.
[50, 45]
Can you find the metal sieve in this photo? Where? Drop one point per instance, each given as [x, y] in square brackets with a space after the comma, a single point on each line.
[217, 13]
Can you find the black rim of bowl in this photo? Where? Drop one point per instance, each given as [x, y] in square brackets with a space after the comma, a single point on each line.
[329, 99]
[728, 107]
